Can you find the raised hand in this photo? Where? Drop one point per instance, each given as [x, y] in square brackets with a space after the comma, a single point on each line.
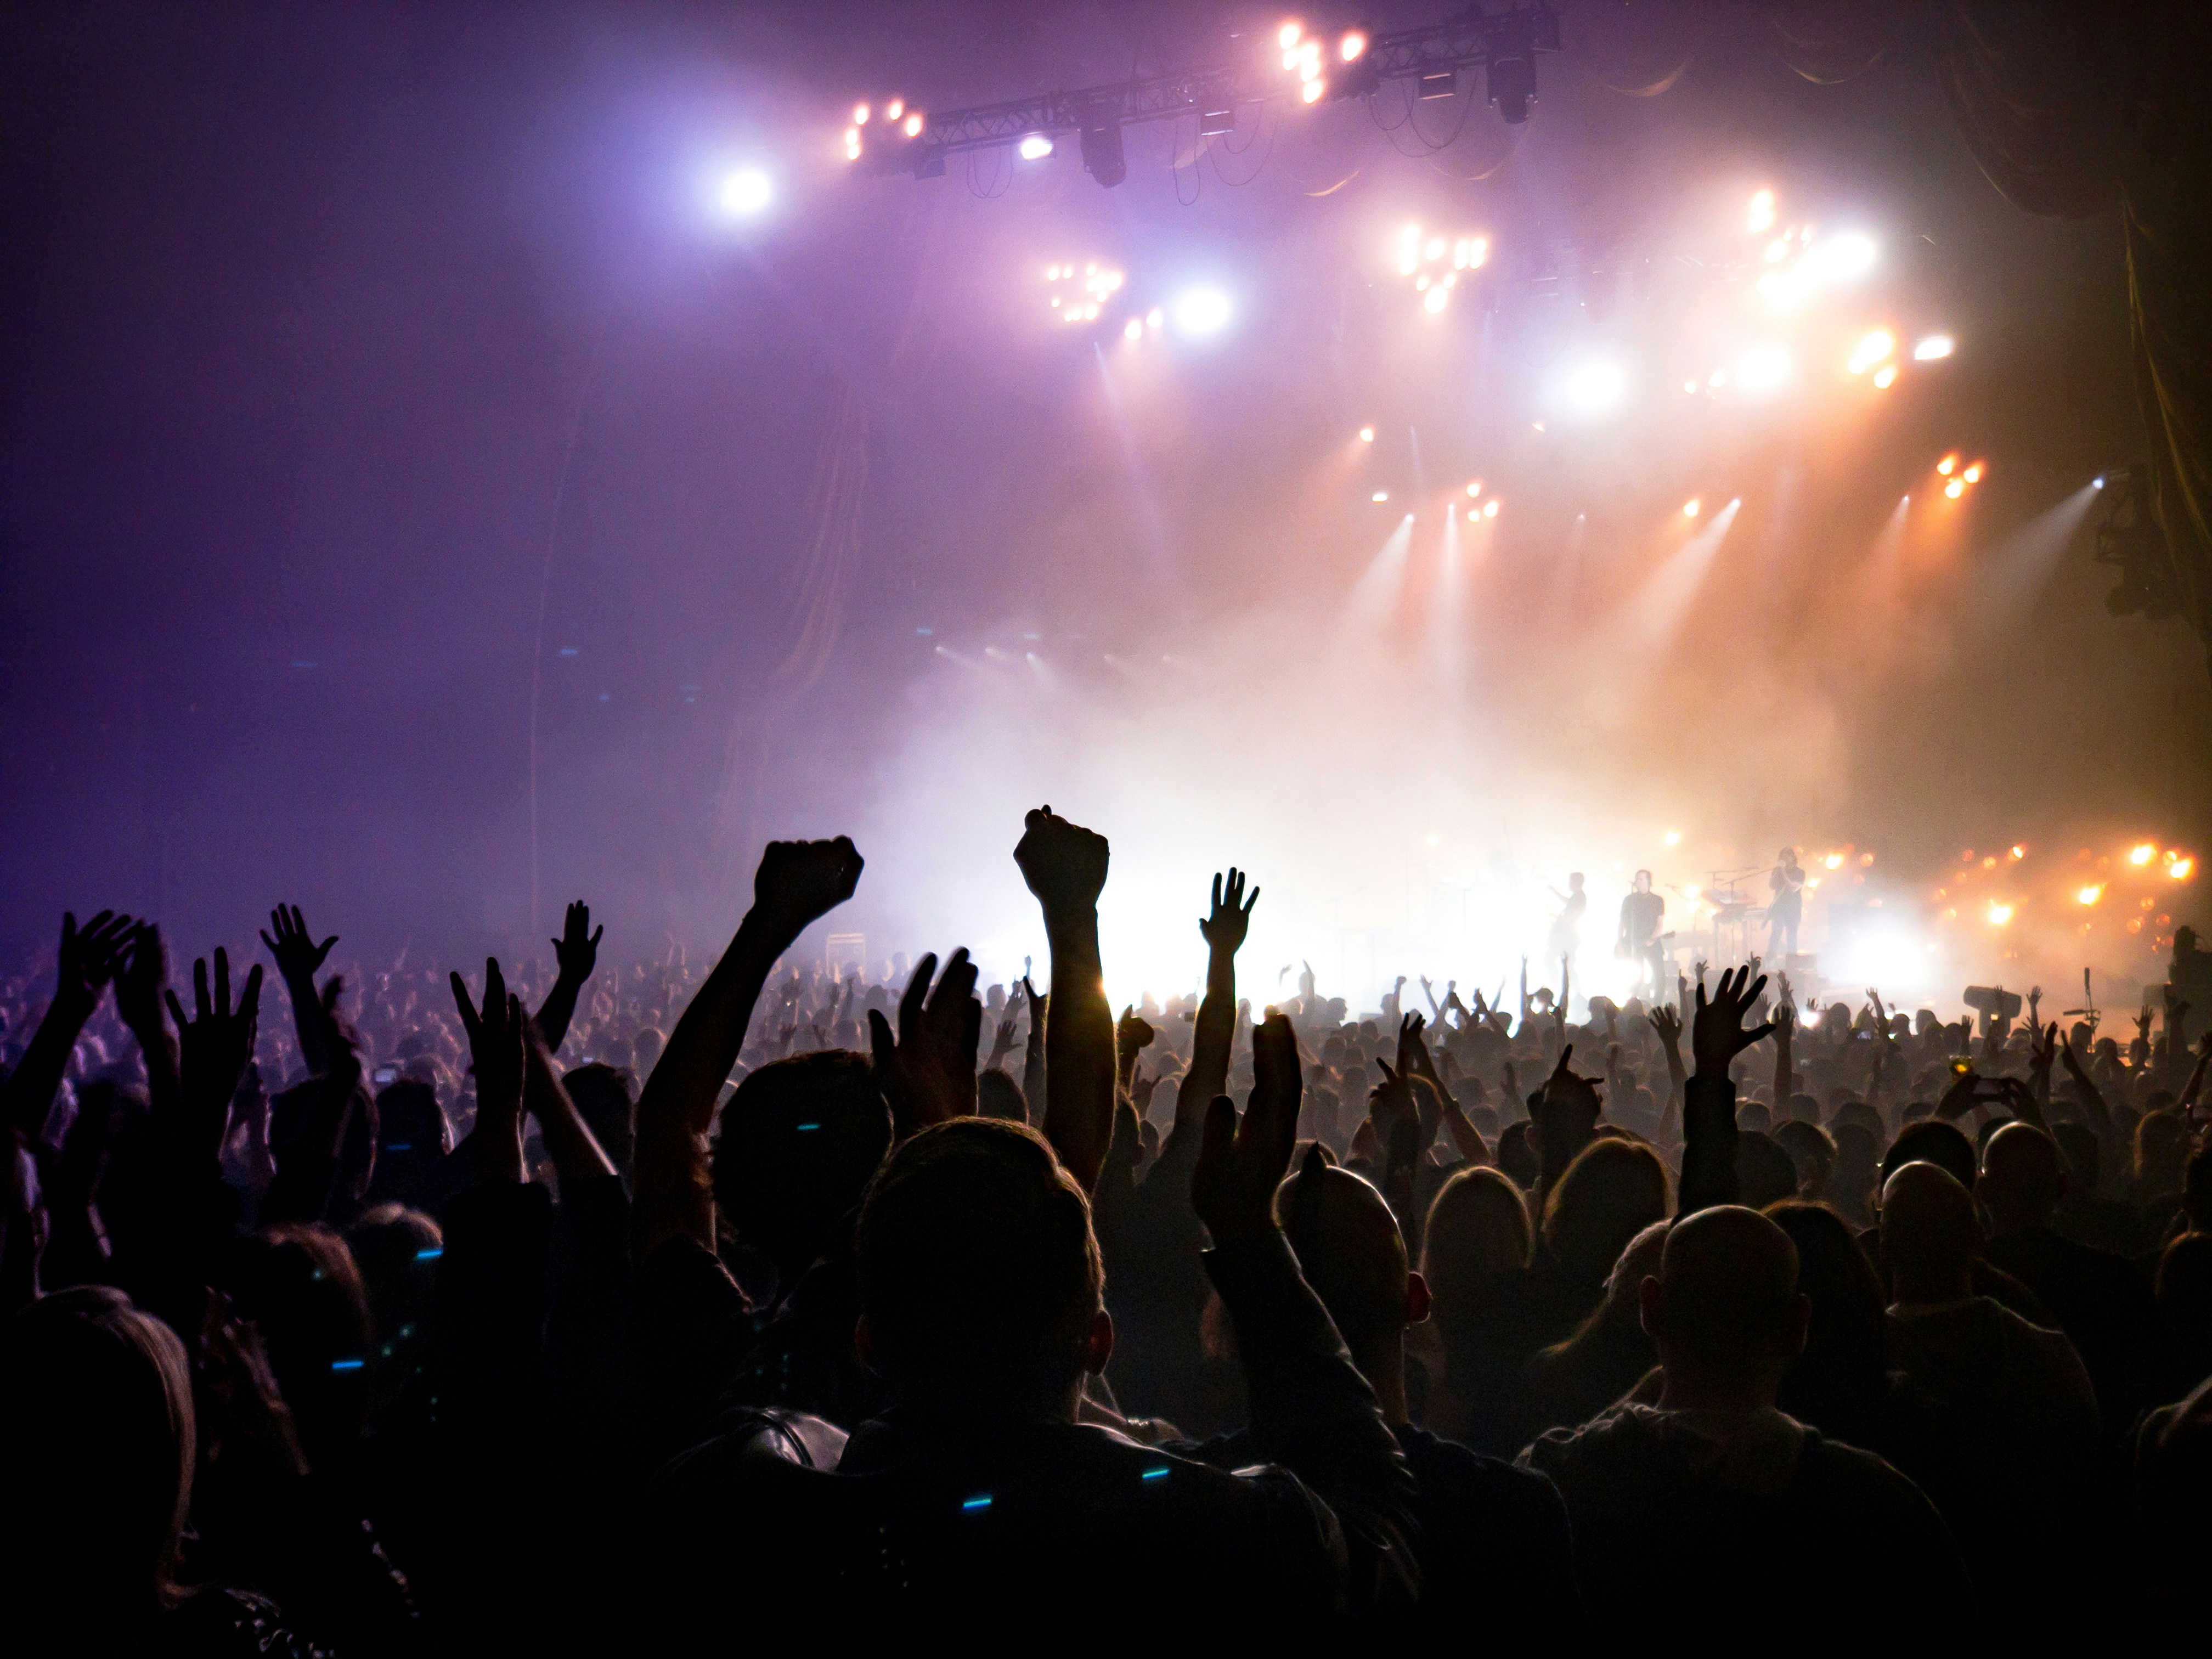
[577, 950]
[1240, 1165]
[213, 1048]
[928, 1072]
[799, 881]
[140, 978]
[1132, 1034]
[89, 956]
[1063, 863]
[1225, 928]
[298, 957]
[496, 1053]
[1716, 1034]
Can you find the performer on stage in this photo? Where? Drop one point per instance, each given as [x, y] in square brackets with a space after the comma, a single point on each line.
[1641, 913]
[1787, 880]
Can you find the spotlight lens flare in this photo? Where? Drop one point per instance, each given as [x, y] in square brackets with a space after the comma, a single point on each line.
[1947, 465]
[1310, 93]
[1999, 914]
[1596, 386]
[1034, 147]
[1933, 347]
[1202, 311]
[1287, 36]
[1692, 507]
[746, 192]
[859, 115]
[1972, 474]
[1955, 489]
[1490, 507]
[1885, 377]
[2142, 853]
[1763, 368]
[1351, 47]
[1873, 349]
[912, 127]
[2089, 895]
[1367, 434]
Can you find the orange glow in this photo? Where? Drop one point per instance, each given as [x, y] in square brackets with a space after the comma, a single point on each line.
[2142, 853]
[1490, 507]
[2019, 851]
[1691, 507]
[2182, 869]
[1972, 474]
[1947, 465]
[1885, 377]
[1475, 487]
[1999, 914]
[1955, 489]
[2089, 895]
[1834, 860]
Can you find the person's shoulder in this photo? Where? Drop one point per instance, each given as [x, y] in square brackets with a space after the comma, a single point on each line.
[1625, 1432]
[1435, 1459]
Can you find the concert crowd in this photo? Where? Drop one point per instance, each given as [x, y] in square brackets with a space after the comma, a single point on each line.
[641, 1309]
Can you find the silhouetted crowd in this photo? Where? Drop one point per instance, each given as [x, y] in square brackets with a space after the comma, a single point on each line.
[646, 1310]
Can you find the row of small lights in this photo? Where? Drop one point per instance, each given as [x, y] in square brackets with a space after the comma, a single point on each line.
[2147, 857]
[1302, 56]
[1474, 514]
[1465, 253]
[909, 121]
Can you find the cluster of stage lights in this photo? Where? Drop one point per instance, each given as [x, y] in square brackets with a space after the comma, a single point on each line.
[1959, 479]
[1078, 295]
[1315, 60]
[1436, 263]
[1084, 292]
[896, 115]
[2089, 886]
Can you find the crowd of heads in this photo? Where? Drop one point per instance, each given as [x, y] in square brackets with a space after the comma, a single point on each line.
[609, 1262]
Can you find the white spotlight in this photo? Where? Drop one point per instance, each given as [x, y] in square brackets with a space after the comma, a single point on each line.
[1596, 386]
[1202, 311]
[1034, 147]
[1763, 368]
[746, 192]
[1840, 258]
[1934, 346]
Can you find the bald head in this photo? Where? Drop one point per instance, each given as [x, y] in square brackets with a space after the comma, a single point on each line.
[1727, 1278]
[1929, 1234]
[2023, 1177]
[1349, 1249]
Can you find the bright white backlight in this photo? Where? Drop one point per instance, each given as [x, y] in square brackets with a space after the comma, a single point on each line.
[1035, 147]
[1595, 386]
[1839, 259]
[1934, 346]
[1202, 311]
[1763, 368]
[748, 192]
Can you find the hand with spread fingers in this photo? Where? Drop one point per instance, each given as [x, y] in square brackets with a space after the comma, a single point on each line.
[928, 1071]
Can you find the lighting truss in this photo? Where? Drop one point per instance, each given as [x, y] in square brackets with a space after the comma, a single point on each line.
[1472, 40]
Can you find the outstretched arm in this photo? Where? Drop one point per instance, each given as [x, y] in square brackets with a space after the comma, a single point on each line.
[1212, 1037]
[299, 958]
[1065, 866]
[1716, 1037]
[577, 951]
[797, 882]
[85, 964]
[141, 976]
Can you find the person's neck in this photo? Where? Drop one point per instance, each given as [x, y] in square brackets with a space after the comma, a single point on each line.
[1686, 1386]
[1382, 1363]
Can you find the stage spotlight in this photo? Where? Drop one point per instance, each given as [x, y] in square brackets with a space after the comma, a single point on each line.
[1873, 349]
[1999, 914]
[1692, 507]
[1287, 36]
[1762, 212]
[1102, 156]
[852, 144]
[1841, 259]
[1512, 88]
[1596, 386]
[893, 110]
[1933, 347]
[1310, 92]
[1154, 318]
[1972, 474]
[1763, 368]
[1885, 377]
[2097, 483]
[2089, 895]
[1367, 434]
[859, 115]
[1475, 487]
[2142, 853]
[1433, 300]
[1134, 329]
[1947, 465]
[1380, 497]
[1202, 311]
[1673, 838]
[746, 192]
[1034, 147]
[1955, 489]
[1353, 47]
[1490, 507]
[2180, 868]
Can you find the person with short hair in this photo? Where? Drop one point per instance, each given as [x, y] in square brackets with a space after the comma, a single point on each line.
[1715, 1476]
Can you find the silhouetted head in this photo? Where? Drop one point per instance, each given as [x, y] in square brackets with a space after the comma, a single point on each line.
[1642, 881]
[1613, 1190]
[1765, 1174]
[1575, 882]
[1929, 1234]
[1478, 1232]
[301, 1287]
[997, 1095]
[2161, 1152]
[98, 1398]
[981, 1283]
[1350, 1251]
[2023, 1177]
[398, 1251]
[1932, 1141]
[606, 1099]
[2184, 1302]
[797, 1145]
[1724, 1308]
